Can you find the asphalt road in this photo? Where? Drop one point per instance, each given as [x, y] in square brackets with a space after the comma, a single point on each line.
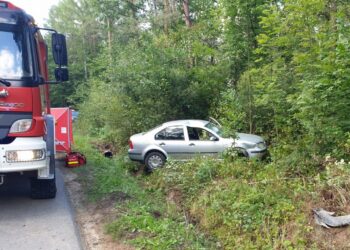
[36, 224]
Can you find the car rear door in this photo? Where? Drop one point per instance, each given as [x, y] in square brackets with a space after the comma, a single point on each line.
[172, 140]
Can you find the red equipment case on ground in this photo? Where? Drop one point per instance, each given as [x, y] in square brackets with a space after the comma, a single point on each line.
[63, 129]
[64, 136]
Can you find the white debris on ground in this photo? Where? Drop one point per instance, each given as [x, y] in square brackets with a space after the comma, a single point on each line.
[327, 220]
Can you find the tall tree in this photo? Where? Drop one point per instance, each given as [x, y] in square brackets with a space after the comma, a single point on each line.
[187, 16]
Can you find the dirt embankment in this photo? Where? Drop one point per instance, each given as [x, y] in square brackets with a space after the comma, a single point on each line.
[92, 217]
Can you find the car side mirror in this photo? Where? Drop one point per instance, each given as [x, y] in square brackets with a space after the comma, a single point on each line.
[213, 138]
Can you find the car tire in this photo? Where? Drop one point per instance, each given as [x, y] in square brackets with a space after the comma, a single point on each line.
[154, 160]
[241, 152]
[43, 189]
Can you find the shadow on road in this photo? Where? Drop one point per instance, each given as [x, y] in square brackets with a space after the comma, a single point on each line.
[36, 224]
[15, 186]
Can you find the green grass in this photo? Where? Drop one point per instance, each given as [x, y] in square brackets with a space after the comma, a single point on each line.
[240, 203]
[103, 176]
[145, 219]
[208, 204]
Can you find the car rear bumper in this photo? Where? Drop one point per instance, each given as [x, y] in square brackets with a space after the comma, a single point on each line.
[135, 156]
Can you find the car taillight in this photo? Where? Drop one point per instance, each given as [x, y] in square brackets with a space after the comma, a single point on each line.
[131, 146]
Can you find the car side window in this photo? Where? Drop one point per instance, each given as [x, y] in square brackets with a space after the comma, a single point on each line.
[199, 134]
[175, 133]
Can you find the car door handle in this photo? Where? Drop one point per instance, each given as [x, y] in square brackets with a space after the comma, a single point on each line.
[162, 144]
[191, 144]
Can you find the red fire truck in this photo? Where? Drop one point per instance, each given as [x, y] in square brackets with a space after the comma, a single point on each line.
[27, 144]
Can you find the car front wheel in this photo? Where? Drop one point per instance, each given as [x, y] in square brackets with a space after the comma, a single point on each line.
[154, 160]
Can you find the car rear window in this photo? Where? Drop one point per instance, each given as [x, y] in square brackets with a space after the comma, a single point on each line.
[171, 133]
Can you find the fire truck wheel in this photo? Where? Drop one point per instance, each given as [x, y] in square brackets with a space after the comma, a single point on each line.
[43, 189]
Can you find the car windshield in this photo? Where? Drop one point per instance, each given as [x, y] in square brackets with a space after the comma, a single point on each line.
[14, 56]
[214, 128]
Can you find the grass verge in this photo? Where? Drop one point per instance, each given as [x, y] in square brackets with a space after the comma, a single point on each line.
[144, 217]
[208, 204]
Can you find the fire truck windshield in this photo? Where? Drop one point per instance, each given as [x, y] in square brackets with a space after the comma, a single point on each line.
[15, 61]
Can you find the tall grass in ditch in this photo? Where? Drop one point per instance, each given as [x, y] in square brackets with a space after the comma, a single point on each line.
[104, 176]
[209, 204]
[243, 204]
[144, 217]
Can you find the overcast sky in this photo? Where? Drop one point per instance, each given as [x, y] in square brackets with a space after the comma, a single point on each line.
[39, 9]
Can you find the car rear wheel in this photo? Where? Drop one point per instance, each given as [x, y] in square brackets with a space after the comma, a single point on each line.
[154, 160]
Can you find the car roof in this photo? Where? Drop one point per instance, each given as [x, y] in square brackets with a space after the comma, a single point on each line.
[186, 123]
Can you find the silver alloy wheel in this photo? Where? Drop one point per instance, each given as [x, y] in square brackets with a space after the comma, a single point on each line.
[155, 161]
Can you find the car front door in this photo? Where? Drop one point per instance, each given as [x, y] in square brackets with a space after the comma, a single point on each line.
[202, 142]
[172, 140]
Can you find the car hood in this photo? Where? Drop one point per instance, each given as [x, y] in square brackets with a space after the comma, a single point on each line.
[249, 138]
[243, 138]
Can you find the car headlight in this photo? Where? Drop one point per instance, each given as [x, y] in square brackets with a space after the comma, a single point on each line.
[248, 145]
[21, 126]
[261, 145]
[25, 155]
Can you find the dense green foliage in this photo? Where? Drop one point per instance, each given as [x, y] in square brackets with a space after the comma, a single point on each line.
[280, 69]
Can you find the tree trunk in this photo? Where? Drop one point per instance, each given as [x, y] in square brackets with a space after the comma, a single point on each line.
[155, 7]
[84, 57]
[166, 15]
[133, 8]
[186, 6]
[109, 34]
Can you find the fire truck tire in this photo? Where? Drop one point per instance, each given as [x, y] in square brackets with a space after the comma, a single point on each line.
[43, 189]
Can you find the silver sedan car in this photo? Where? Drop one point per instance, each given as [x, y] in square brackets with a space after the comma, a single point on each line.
[185, 139]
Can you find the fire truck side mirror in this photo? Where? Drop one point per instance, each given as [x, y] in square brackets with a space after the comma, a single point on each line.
[61, 74]
[59, 49]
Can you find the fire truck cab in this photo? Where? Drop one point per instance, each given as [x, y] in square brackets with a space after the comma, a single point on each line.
[27, 140]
